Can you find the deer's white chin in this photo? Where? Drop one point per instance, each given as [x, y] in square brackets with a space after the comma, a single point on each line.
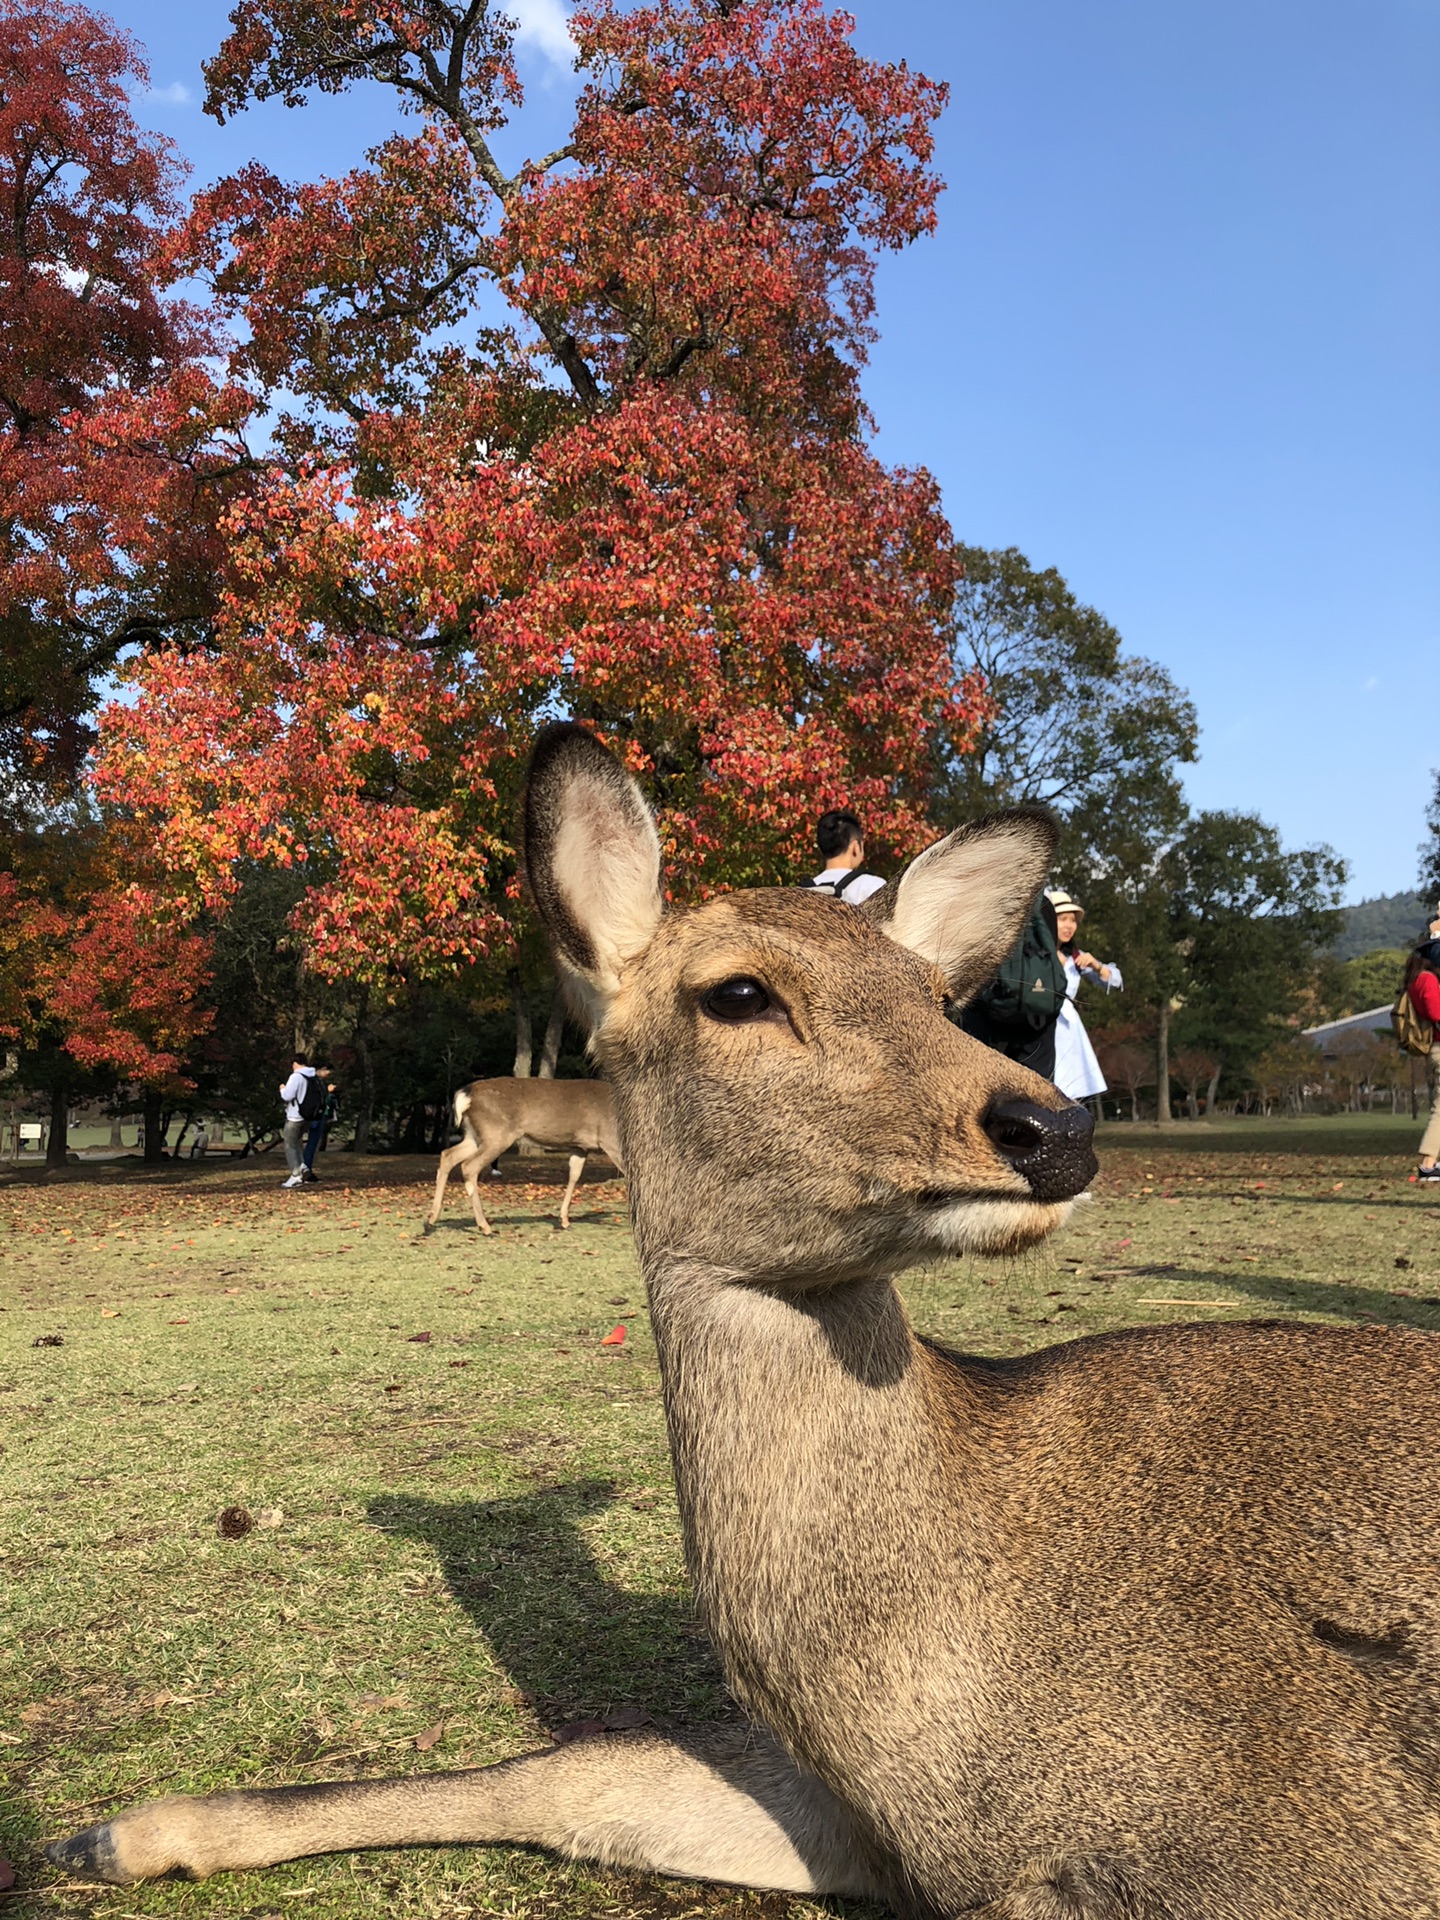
[998, 1226]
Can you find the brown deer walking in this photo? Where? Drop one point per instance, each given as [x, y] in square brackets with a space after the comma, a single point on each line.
[494, 1114]
[1142, 1627]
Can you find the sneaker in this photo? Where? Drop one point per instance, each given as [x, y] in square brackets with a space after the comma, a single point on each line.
[495, 1172]
[308, 1173]
[1428, 1176]
[294, 1181]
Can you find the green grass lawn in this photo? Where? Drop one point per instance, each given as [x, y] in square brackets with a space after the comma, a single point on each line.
[465, 1516]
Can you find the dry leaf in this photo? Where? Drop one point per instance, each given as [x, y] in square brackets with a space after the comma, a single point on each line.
[430, 1737]
[419, 1339]
[615, 1338]
[109, 1313]
[270, 1516]
[625, 1717]
[578, 1730]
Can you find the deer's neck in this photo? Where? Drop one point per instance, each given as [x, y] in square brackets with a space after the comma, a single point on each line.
[817, 1452]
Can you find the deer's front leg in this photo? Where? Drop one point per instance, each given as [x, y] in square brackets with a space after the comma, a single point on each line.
[726, 1805]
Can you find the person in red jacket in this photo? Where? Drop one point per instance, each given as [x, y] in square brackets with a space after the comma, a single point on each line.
[1422, 983]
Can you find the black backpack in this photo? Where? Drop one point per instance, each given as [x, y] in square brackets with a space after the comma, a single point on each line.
[1026, 995]
[311, 1103]
[835, 884]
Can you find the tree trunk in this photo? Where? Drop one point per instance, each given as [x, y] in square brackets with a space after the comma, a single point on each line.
[180, 1137]
[1192, 1102]
[154, 1119]
[58, 1144]
[360, 1040]
[554, 1034]
[1162, 1065]
[1211, 1091]
[524, 1034]
[1135, 1104]
[117, 1130]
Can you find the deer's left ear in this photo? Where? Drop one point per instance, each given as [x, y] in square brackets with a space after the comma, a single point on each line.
[592, 857]
[962, 903]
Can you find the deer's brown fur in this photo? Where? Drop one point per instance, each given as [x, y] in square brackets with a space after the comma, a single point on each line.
[493, 1114]
[1143, 1627]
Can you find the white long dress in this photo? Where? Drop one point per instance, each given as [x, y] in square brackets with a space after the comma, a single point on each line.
[1077, 1071]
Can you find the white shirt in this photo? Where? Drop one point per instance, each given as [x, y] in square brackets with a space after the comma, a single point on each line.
[1077, 1071]
[854, 891]
[293, 1091]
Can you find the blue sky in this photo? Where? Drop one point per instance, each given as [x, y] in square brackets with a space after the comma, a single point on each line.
[1176, 336]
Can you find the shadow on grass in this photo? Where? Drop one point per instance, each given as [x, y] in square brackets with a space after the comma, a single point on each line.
[524, 1571]
[1312, 1296]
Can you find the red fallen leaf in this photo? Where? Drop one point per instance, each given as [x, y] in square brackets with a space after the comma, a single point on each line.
[578, 1730]
[614, 1338]
[430, 1737]
[419, 1339]
[7, 1876]
[179, 1323]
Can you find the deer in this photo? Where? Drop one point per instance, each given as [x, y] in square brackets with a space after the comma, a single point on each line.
[1139, 1626]
[494, 1114]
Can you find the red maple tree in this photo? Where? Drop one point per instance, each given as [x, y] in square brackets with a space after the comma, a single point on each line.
[115, 442]
[584, 438]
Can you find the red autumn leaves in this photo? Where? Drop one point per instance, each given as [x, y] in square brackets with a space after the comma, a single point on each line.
[587, 439]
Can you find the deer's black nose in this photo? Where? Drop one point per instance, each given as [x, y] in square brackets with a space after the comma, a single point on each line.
[1051, 1151]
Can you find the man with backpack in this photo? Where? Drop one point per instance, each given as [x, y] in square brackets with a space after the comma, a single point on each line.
[1416, 1023]
[841, 842]
[304, 1097]
[1017, 1011]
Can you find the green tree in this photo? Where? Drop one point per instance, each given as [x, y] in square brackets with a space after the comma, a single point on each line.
[1430, 849]
[1076, 724]
[1370, 980]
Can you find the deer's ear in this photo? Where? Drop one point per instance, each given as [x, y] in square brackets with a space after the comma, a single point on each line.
[962, 903]
[592, 857]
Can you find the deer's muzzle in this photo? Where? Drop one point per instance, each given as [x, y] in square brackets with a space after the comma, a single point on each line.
[1052, 1152]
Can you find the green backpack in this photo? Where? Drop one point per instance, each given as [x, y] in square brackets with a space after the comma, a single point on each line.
[1414, 1034]
[1026, 995]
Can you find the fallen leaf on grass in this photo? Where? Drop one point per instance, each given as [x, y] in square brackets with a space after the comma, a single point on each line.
[430, 1737]
[419, 1339]
[109, 1313]
[7, 1876]
[615, 1338]
[1400, 1260]
[270, 1517]
[578, 1730]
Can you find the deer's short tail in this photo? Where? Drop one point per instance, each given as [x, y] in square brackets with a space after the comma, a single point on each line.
[462, 1105]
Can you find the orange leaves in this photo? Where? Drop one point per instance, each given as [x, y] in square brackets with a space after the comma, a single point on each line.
[633, 486]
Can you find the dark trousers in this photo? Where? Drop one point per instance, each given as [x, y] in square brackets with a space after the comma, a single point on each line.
[317, 1130]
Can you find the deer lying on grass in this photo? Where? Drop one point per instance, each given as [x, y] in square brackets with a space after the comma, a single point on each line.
[1141, 1627]
[578, 1114]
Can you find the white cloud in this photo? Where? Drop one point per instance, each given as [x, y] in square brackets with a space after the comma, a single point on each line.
[542, 24]
[177, 94]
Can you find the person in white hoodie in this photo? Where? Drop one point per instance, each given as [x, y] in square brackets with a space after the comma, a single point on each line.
[1077, 1071]
[292, 1093]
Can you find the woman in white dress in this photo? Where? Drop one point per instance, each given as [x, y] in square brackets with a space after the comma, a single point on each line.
[1077, 1071]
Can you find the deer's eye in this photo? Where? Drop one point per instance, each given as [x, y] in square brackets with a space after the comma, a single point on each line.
[735, 1000]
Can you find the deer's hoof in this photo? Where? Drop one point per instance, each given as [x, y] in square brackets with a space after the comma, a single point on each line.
[91, 1855]
[428, 1228]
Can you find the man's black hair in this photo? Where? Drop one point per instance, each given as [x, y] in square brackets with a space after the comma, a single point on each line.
[300, 1059]
[835, 830]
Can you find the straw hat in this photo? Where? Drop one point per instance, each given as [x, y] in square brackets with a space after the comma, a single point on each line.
[1063, 902]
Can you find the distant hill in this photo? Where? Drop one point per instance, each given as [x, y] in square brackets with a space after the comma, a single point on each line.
[1396, 921]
